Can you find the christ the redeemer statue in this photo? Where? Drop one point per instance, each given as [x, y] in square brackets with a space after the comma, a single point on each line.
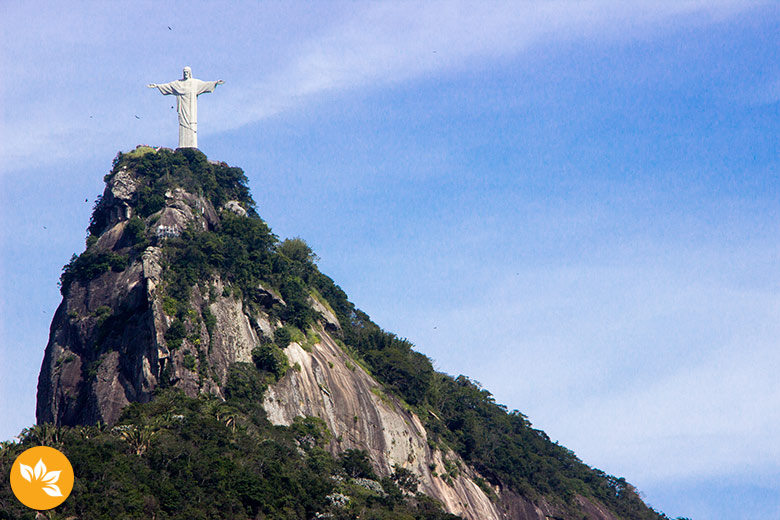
[187, 91]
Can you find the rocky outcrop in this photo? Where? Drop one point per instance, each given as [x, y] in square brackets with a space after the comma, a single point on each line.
[88, 375]
[325, 383]
[107, 344]
[328, 384]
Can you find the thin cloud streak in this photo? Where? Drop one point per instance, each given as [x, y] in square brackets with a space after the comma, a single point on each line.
[384, 44]
[379, 45]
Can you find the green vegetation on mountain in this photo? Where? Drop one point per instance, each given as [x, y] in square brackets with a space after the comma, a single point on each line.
[88, 265]
[199, 459]
[176, 449]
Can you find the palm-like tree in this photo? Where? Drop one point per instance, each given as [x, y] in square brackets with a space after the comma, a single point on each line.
[43, 435]
[138, 437]
[229, 416]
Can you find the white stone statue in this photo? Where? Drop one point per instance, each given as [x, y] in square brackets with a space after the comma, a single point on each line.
[187, 91]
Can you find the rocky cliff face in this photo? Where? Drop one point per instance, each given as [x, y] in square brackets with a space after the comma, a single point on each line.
[107, 343]
[361, 415]
[114, 341]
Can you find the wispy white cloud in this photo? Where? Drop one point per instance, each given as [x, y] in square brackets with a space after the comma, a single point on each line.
[372, 44]
[382, 44]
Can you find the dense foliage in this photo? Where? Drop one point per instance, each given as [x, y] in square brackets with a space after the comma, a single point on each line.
[88, 265]
[184, 458]
[185, 168]
[158, 172]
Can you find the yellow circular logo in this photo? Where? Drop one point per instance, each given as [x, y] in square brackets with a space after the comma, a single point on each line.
[42, 478]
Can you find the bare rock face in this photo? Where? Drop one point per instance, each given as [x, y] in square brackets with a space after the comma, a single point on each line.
[107, 344]
[87, 375]
[235, 207]
[328, 384]
[325, 383]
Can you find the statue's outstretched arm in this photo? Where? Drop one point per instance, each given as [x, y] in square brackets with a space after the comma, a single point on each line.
[166, 88]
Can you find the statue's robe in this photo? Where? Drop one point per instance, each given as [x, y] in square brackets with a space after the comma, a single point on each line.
[187, 92]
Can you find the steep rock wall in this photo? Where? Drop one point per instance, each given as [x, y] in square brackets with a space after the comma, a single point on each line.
[327, 384]
[107, 345]
[360, 415]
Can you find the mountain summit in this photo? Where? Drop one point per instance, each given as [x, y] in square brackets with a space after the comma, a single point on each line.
[184, 299]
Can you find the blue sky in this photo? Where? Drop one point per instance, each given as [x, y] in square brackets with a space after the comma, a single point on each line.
[575, 203]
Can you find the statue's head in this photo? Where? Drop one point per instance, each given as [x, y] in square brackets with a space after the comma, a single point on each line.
[187, 73]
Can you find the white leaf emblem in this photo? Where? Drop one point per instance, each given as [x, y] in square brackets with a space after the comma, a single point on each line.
[52, 490]
[27, 472]
[47, 478]
[51, 477]
[40, 469]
